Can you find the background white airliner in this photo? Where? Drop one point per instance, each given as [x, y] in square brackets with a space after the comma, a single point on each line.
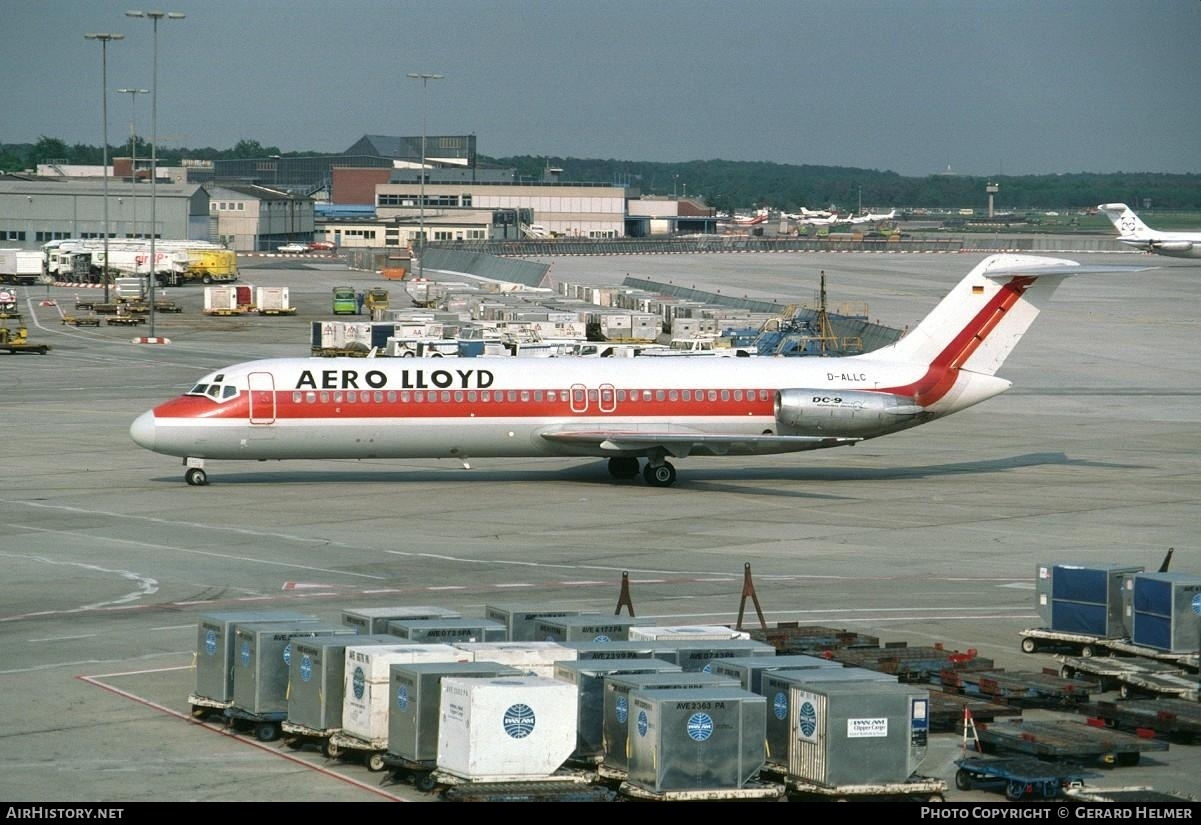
[627, 410]
[1133, 232]
[872, 217]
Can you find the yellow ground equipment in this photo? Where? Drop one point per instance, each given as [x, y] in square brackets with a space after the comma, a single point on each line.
[16, 338]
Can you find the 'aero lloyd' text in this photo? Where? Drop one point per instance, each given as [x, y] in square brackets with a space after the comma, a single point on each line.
[409, 379]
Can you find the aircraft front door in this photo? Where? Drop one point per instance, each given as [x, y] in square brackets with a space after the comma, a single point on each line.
[262, 397]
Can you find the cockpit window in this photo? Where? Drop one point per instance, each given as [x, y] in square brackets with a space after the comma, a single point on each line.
[217, 391]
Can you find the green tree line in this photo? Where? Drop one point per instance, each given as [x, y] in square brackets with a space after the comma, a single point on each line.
[739, 185]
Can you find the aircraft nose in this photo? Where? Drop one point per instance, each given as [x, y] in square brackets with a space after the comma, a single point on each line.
[142, 430]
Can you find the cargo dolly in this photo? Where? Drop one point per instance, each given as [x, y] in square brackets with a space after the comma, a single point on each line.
[753, 790]
[1174, 719]
[1086, 646]
[798, 789]
[1135, 678]
[1135, 793]
[341, 744]
[946, 711]
[557, 791]
[419, 772]
[265, 726]
[1019, 777]
[203, 707]
[790, 638]
[1082, 742]
[1025, 688]
[913, 664]
[557, 787]
[125, 320]
[297, 736]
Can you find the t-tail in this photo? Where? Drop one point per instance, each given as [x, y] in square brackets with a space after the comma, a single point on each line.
[964, 341]
[1128, 224]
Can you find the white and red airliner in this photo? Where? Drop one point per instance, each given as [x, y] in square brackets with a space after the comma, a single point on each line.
[628, 410]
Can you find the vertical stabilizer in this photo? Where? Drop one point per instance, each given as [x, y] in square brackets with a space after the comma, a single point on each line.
[1124, 220]
[981, 320]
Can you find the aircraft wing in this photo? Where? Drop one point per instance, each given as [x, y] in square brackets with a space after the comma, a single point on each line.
[682, 444]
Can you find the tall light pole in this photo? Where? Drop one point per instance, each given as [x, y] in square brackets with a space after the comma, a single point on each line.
[425, 79]
[104, 38]
[154, 17]
[133, 149]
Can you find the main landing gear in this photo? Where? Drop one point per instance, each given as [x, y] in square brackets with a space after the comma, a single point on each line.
[657, 473]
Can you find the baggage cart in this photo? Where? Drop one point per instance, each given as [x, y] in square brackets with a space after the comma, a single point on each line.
[1019, 777]
[1078, 741]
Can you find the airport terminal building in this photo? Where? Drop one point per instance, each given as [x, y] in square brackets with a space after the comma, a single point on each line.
[256, 204]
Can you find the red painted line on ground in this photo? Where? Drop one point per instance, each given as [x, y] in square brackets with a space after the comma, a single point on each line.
[91, 680]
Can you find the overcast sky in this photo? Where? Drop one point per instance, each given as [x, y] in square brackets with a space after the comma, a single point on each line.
[984, 87]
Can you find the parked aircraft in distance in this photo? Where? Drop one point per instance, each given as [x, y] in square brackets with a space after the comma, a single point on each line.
[1133, 232]
[872, 217]
[827, 221]
[751, 220]
[627, 410]
[816, 213]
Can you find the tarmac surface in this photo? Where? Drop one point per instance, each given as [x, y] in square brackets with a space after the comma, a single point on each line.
[930, 536]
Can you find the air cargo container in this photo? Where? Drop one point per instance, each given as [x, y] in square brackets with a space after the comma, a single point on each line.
[695, 739]
[616, 707]
[505, 729]
[685, 633]
[749, 670]
[316, 680]
[366, 679]
[1083, 599]
[1167, 611]
[585, 627]
[519, 619]
[701, 655]
[415, 692]
[529, 658]
[776, 686]
[263, 661]
[447, 630]
[589, 680]
[375, 619]
[857, 733]
[215, 648]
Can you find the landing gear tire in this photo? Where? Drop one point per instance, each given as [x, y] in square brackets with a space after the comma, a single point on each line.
[196, 477]
[623, 467]
[659, 475]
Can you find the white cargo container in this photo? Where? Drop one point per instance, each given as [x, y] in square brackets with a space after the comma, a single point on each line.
[536, 658]
[365, 704]
[220, 299]
[272, 299]
[505, 729]
[690, 633]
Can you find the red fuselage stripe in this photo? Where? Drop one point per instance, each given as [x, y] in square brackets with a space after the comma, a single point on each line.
[944, 368]
[469, 404]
